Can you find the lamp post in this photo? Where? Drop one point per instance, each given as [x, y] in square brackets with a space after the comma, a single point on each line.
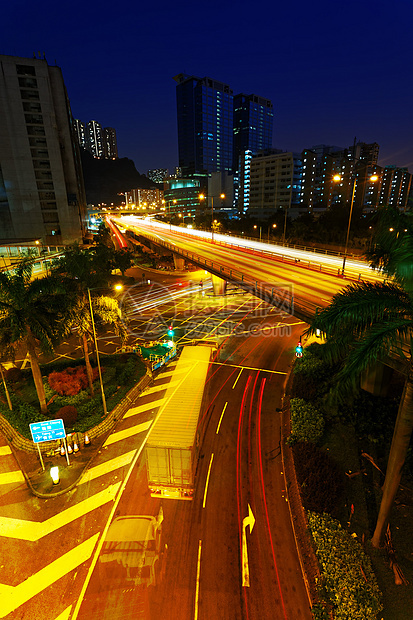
[337, 178]
[118, 287]
[202, 197]
[268, 232]
[105, 411]
[255, 226]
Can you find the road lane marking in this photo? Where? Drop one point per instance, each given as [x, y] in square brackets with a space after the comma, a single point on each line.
[239, 374]
[14, 596]
[107, 467]
[65, 614]
[5, 450]
[127, 432]
[11, 476]
[159, 388]
[198, 573]
[22, 529]
[222, 415]
[207, 480]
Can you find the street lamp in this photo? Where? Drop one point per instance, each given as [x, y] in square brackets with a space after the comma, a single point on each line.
[337, 178]
[118, 287]
[268, 232]
[255, 226]
[202, 197]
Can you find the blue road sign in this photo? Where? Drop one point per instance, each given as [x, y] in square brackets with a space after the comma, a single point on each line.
[47, 431]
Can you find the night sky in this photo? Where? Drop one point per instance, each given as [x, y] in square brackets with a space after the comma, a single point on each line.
[334, 71]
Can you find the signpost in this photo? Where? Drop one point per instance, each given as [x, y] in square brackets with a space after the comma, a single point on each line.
[48, 431]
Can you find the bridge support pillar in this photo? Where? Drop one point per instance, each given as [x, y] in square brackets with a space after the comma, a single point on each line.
[376, 379]
[219, 285]
[179, 262]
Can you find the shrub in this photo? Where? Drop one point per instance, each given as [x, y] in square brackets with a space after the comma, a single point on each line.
[68, 414]
[69, 382]
[321, 479]
[307, 422]
[312, 364]
[347, 573]
[304, 386]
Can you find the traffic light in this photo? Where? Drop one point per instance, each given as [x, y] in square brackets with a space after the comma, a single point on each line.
[171, 331]
[299, 350]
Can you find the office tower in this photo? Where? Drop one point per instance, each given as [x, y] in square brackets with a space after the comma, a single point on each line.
[95, 142]
[41, 184]
[271, 179]
[205, 125]
[80, 132]
[157, 175]
[110, 143]
[253, 123]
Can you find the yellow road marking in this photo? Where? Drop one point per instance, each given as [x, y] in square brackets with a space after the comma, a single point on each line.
[11, 476]
[220, 419]
[239, 374]
[14, 596]
[142, 408]
[34, 530]
[207, 480]
[65, 614]
[4, 450]
[108, 466]
[128, 432]
[198, 573]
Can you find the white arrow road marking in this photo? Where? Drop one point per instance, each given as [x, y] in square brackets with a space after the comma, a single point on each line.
[247, 521]
[33, 530]
[108, 466]
[13, 596]
[127, 432]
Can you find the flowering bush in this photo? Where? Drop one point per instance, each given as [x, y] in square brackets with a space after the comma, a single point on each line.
[348, 576]
[69, 382]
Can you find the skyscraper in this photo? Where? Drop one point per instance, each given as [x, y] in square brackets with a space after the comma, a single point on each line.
[253, 123]
[205, 125]
[41, 183]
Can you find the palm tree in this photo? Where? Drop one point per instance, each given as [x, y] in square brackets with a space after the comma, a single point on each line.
[364, 322]
[85, 273]
[32, 315]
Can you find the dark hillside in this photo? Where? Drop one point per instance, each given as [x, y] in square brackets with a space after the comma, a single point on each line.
[106, 178]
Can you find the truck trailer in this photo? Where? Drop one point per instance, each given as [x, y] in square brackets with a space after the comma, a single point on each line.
[172, 447]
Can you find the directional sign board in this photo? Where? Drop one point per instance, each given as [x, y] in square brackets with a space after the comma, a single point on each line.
[47, 431]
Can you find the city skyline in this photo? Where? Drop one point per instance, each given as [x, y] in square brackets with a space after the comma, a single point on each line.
[332, 73]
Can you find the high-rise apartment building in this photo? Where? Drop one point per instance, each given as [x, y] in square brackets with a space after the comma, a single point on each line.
[80, 132]
[100, 142]
[110, 143]
[95, 139]
[41, 184]
[157, 175]
[205, 125]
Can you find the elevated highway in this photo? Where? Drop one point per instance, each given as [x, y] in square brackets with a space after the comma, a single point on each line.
[295, 281]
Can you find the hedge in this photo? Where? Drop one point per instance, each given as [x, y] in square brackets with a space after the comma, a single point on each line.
[307, 422]
[346, 570]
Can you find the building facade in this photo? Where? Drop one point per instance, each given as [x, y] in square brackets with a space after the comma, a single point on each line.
[110, 143]
[41, 184]
[205, 125]
[253, 125]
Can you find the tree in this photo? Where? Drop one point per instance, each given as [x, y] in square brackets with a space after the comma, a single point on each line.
[32, 314]
[364, 322]
[86, 276]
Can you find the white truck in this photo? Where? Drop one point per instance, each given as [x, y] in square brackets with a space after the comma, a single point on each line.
[173, 444]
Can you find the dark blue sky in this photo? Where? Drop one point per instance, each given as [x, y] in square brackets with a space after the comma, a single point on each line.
[332, 72]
